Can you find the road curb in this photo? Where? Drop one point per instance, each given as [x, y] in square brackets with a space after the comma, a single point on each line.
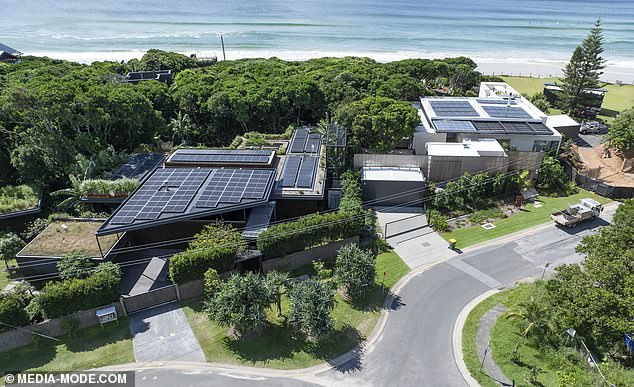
[457, 336]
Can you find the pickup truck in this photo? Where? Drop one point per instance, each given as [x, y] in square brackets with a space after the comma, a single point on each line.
[585, 210]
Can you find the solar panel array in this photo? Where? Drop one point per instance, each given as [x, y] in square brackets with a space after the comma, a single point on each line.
[170, 192]
[221, 156]
[502, 127]
[234, 185]
[453, 109]
[299, 171]
[167, 190]
[304, 142]
[506, 112]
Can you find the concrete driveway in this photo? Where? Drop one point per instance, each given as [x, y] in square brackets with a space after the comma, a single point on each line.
[163, 333]
[410, 237]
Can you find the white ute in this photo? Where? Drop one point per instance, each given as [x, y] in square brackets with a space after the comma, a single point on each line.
[585, 210]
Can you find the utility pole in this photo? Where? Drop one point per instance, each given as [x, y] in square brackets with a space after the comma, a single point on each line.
[544, 272]
[222, 41]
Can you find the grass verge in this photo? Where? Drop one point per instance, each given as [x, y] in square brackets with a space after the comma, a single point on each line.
[528, 217]
[617, 99]
[5, 275]
[277, 347]
[92, 347]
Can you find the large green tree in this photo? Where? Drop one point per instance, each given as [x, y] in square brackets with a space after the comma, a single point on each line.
[584, 69]
[596, 297]
[621, 134]
[240, 303]
[311, 304]
[354, 269]
[378, 123]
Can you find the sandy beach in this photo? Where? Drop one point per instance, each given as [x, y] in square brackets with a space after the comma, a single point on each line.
[538, 68]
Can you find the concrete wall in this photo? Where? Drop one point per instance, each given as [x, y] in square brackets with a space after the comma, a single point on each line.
[389, 160]
[148, 299]
[302, 258]
[18, 338]
[443, 168]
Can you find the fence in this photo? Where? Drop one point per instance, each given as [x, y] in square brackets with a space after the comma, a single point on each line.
[547, 74]
[149, 299]
[306, 257]
[54, 327]
[597, 186]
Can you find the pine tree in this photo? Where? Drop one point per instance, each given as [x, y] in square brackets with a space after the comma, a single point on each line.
[584, 69]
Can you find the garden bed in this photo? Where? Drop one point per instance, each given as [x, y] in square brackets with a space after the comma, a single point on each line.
[62, 237]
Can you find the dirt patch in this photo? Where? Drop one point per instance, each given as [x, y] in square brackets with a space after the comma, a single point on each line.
[606, 169]
[60, 238]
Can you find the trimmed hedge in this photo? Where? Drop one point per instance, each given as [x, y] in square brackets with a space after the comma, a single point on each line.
[67, 297]
[192, 264]
[12, 312]
[309, 231]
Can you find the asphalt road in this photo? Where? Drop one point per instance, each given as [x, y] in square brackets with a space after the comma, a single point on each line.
[415, 347]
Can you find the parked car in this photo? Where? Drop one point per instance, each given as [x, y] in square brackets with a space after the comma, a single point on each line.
[587, 209]
[593, 127]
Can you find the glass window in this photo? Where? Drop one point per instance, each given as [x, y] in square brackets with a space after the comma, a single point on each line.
[543, 146]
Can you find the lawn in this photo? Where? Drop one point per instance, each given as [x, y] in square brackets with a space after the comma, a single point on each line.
[505, 337]
[277, 347]
[617, 99]
[529, 216]
[62, 237]
[93, 347]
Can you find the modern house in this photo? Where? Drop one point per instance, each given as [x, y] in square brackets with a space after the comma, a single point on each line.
[8, 54]
[553, 91]
[498, 113]
[450, 160]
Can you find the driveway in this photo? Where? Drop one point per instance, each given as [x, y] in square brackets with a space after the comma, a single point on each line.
[162, 333]
[411, 238]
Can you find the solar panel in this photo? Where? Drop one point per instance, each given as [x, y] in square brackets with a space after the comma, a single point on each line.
[454, 126]
[540, 128]
[506, 112]
[306, 176]
[313, 143]
[219, 156]
[290, 170]
[501, 101]
[453, 109]
[517, 127]
[488, 126]
[298, 142]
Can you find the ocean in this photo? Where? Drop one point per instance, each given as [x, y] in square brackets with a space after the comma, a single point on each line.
[537, 31]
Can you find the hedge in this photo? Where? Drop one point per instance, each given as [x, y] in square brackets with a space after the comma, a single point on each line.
[12, 312]
[67, 297]
[309, 231]
[192, 264]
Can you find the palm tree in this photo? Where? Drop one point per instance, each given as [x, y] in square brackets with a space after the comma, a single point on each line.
[535, 316]
[73, 193]
[181, 128]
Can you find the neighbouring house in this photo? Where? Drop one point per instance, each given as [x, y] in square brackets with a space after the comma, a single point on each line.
[553, 91]
[8, 54]
[564, 124]
[164, 76]
[450, 160]
[393, 186]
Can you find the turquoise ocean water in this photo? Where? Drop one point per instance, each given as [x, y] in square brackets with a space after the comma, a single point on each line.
[528, 29]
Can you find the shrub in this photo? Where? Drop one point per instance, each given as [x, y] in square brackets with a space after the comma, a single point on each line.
[309, 231]
[191, 265]
[34, 310]
[70, 326]
[35, 228]
[354, 269]
[75, 265]
[212, 282]
[12, 312]
[437, 221]
[311, 304]
[219, 235]
[483, 216]
[351, 193]
[17, 198]
[10, 245]
[100, 187]
[72, 295]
